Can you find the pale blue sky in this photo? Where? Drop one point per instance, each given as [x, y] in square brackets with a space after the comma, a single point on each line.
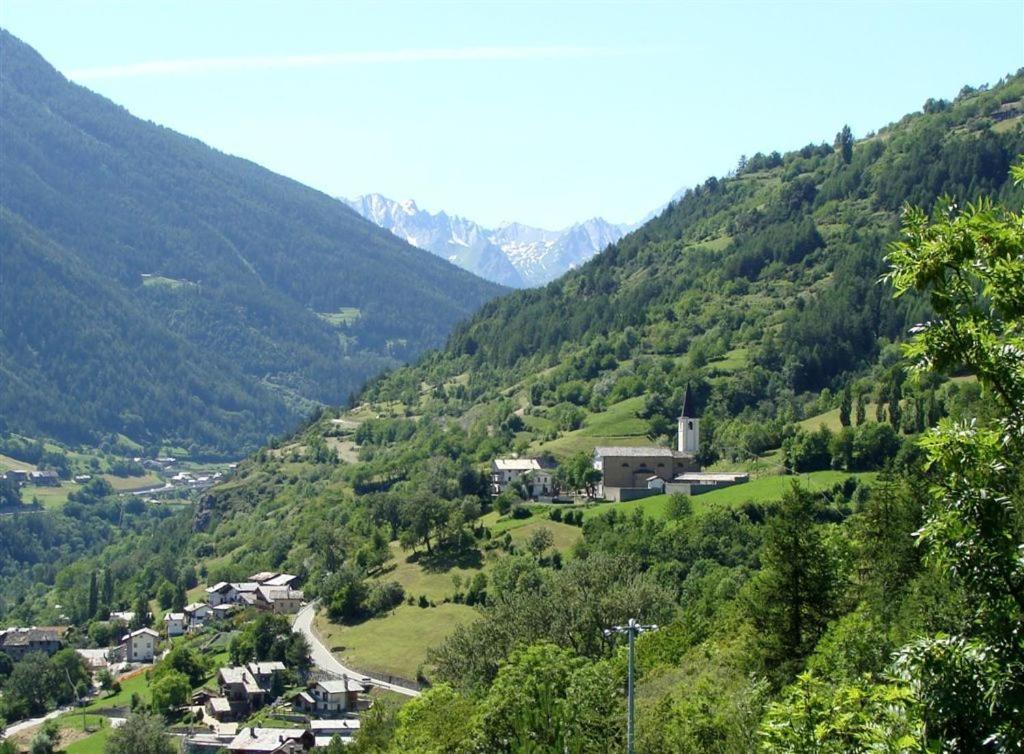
[541, 112]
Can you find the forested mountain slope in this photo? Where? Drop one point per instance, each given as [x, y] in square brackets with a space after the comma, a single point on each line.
[157, 288]
[781, 606]
[759, 289]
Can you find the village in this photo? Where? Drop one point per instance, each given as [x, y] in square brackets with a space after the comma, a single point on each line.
[256, 706]
[622, 473]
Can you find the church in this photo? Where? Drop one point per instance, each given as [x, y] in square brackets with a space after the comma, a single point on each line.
[629, 473]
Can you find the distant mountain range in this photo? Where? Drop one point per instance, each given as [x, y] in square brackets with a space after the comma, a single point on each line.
[155, 288]
[515, 255]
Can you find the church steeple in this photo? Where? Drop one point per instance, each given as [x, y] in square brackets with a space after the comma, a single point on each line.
[689, 426]
[687, 404]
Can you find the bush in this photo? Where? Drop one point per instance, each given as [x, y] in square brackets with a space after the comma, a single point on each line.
[384, 597]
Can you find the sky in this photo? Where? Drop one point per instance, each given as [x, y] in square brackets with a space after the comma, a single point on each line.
[545, 113]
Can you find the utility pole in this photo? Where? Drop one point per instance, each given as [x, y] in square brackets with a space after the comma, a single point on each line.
[631, 630]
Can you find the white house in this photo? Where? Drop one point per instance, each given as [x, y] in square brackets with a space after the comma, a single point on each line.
[174, 624]
[196, 615]
[221, 593]
[537, 479]
[140, 646]
[333, 697]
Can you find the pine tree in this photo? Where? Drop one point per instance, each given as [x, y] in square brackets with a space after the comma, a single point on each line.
[862, 408]
[795, 590]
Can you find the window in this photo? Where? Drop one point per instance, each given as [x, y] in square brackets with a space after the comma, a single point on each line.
[689, 425]
[625, 465]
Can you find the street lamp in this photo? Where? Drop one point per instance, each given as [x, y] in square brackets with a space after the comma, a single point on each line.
[631, 630]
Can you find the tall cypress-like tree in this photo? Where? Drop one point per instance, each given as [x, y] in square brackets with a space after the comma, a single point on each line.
[895, 411]
[94, 597]
[845, 405]
[862, 408]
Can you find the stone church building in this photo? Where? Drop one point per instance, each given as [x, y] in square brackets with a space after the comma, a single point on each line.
[628, 473]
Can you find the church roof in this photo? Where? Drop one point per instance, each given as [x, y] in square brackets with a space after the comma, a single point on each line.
[634, 452]
[688, 410]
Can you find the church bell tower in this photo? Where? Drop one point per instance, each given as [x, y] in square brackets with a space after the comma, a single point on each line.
[689, 427]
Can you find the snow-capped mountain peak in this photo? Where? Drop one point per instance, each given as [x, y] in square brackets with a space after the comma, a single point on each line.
[513, 254]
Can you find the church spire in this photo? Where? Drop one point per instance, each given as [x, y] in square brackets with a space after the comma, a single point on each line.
[689, 426]
[687, 404]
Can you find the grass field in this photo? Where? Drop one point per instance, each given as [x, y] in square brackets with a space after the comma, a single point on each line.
[137, 684]
[397, 643]
[416, 580]
[618, 420]
[564, 535]
[92, 744]
[617, 425]
[127, 483]
[346, 315]
[733, 361]
[7, 463]
[76, 741]
[49, 497]
[766, 489]
[831, 419]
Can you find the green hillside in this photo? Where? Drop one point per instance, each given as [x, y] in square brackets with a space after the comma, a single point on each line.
[157, 288]
[780, 600]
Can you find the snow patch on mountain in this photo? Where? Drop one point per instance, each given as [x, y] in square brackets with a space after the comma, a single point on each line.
[513, 254]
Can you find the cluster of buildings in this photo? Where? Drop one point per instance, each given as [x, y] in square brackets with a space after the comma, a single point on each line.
[271, 591]
[41, 478]
[330, 704]
[627, 472]
[252, 740]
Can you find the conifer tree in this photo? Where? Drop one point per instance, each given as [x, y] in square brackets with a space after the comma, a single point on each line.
[844, 407]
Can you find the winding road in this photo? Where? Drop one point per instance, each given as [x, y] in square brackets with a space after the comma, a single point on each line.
[323, 658]
[27, 724]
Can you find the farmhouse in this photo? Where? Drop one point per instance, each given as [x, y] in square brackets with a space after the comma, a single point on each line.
[537, 479]
[279, 599]
[45, 478]
[18, 642]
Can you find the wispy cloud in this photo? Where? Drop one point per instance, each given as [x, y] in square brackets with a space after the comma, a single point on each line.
[192, 66]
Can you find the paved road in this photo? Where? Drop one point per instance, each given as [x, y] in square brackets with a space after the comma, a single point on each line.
[323, 658]
[26, 724]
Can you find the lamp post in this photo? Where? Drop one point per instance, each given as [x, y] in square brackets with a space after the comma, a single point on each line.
[632, 629]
